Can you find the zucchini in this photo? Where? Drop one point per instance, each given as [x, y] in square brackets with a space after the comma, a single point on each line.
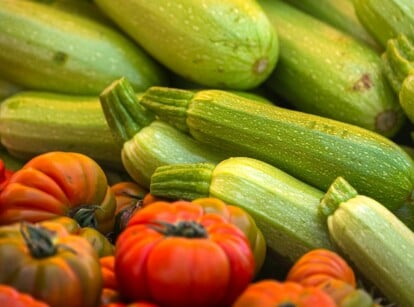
[337, 13]
[32, 123]
[147, 142]
[284, 208]
[386, 19]
[324, 71]
[46, 49]
[373, 238]
[311, 148]
[220, 44]
[9, 161]
[398, 62]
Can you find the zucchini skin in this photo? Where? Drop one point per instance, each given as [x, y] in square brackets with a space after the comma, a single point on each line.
[220, 44]
[311, 148]
[324, 71]
[47, 49]
[284, 208]
[386, 19]
[374, 239]
[32, 123]
[338, 13]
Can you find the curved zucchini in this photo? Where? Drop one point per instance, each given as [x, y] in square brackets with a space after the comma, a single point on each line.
[284, 208]
[47, 49]
[221, 44]
[32, 123]
[374, 239]
[324, 71]
[309, 147]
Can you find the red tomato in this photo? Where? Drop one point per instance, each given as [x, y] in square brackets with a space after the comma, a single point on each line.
[174, 254]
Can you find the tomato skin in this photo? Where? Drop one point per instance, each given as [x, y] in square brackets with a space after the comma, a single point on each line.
[9, 296]
[5, 174]
[72, 271]
[320, 265]
[173, 270]
[55, 184]
[271, 293]
[108, 272]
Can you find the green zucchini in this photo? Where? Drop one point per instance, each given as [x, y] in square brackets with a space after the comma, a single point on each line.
[32, 123]
[386, 19]
[373, 238]
[311, 148]
[324, 71]
[284, 208]
[337, 13]
[220, 44]
[47, 49]
[398, 62]
[147, 142]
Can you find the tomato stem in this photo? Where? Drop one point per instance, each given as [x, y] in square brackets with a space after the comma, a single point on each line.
[39, 240]
[187, 229]
[85, 215]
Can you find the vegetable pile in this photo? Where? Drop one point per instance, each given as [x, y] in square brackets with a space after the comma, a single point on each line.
[206, 153]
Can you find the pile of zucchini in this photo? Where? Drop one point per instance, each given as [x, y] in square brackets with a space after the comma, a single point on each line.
[299, 113]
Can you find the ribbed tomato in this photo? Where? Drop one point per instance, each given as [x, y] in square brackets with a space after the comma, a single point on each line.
[175, 254]
[59, 183]
[51, 267]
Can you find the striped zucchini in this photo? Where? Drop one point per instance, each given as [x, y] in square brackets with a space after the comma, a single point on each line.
[338, 13]
[220, 44]
[146, 142]
[48, 49]
[386, 19]
[7, 89]
[311, 148]
[324, 71]
[32, 123]
[284, 208]
[374, 239]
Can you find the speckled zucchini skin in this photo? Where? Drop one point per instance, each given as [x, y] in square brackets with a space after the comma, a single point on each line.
[324, 71]
[48, 49]
[215, 43]
[312, 148]
[374, 239]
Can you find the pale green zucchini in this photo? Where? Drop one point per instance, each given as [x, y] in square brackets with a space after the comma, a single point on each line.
[338, 13]
[385, 19]
[311, 148]
[47, 49]
[374, 239]
[147, 142]
[324, 71]
[32, 123]
[284, 208]
[220, 44]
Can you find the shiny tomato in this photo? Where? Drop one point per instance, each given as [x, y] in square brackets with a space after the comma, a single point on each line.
[175, 254]
[59, 183]
[5, 174]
